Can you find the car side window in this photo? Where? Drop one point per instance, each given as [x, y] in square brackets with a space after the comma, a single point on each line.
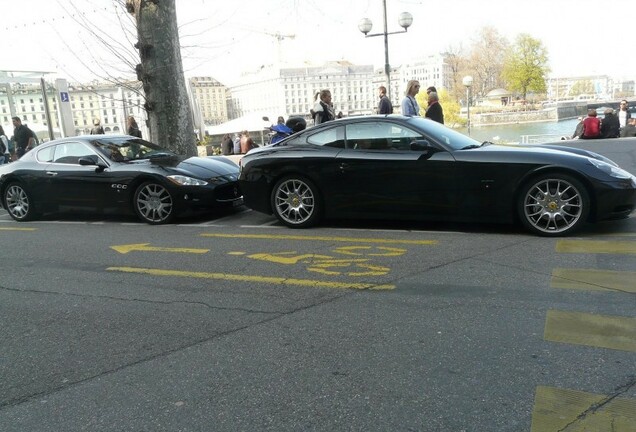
[332, 137]
[45, 154]
[71, 152]
[380, 136]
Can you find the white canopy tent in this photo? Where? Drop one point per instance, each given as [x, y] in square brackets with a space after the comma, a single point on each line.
[250, 122]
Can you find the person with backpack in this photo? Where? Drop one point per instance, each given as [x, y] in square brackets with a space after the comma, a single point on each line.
[5, 154]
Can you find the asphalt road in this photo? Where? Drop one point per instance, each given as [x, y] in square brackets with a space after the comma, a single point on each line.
[232, 322]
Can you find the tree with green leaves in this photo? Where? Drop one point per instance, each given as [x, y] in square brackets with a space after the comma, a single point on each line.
[526, 66]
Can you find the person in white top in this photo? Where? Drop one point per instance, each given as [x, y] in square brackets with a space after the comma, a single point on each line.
[623, 114]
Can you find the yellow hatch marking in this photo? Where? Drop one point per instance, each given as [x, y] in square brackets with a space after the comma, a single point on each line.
[595, 280]
[596, 246]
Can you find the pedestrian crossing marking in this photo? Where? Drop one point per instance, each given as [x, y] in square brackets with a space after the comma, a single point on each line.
[594, 280]
[576, 411]
[602, 331]
[596, 246]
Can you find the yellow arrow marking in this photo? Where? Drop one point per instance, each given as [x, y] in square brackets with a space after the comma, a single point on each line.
[260, 279]
[143, 247]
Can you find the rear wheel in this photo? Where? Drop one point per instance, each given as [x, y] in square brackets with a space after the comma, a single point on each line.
[19, 203]
[296, 202]
[553, 205]
[153, 203]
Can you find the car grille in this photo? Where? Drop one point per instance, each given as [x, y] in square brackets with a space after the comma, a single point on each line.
[229, 192]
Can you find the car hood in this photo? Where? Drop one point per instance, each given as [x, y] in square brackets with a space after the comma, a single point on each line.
[542, 149]
[206, 168]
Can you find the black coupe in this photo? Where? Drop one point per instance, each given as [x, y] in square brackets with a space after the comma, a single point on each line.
[99, 172]
[396, 167]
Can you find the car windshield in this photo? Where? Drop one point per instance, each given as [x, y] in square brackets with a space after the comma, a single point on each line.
[450, 138]
[127, 149]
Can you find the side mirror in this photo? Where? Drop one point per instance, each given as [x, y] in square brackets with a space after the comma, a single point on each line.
[84, 161]
[421, 145]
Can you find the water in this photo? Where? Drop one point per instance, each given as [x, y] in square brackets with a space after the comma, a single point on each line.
[513, 132]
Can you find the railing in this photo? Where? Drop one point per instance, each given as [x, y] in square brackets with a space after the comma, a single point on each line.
[540, 139]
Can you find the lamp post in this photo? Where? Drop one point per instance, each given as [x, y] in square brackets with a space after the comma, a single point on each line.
[468, 83]
[365, 25]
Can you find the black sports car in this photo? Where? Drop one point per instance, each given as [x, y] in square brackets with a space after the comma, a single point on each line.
[98, 172]
[396, 167]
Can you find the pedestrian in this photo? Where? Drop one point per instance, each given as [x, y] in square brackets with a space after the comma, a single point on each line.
[434, 110]
[410, 107]
[610, 125]
[5, 153]
[227, 146]
[623, 113]
[132, 127]
[23, 137]
[578, 131]
[247, 143]
[385, 106]
[326, 112]
[97, 128]
[317, 107]
[630, 128]
[591, 125]
[236, 141]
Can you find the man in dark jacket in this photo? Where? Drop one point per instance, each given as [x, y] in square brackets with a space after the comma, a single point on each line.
[23, 137]
[610, 126]
[385, 106]
[434, 110]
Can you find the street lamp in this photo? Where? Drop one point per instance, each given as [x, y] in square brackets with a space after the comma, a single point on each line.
[468, 83]
[365, 25]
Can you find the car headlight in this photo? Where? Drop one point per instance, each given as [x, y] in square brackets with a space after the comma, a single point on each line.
[182, 180]
[611, 170]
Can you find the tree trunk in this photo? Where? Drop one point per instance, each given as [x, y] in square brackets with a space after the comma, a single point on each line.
[161, 73]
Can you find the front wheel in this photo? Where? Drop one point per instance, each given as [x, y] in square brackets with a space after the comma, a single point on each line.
[296, 203]
[553, 205]
[19, 203]
[153, 204]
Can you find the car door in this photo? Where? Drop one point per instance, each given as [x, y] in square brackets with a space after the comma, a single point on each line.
[381, 175]
[70, 184]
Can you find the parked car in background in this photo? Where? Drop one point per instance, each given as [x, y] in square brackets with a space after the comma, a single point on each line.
[120, 172]
[411, 168]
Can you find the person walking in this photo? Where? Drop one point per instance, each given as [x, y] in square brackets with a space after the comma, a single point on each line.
[326, 112]
[410, 107]
[227, 146]
[384, 106]
[434, 110]
[247, 143]
[23, 137]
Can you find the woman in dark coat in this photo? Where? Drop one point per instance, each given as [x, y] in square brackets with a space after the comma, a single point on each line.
[610, 125]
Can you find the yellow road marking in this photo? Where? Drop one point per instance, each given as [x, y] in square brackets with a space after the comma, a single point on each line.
[16, 229]
[382, 251]
[143, 247]
[604, 331]
[594, 280]
[576, 411]
[246, 278]
[288, 257]
[596, 246]
[319, 238]
[366, 269]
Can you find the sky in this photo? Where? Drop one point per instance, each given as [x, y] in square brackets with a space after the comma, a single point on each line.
[224, 39]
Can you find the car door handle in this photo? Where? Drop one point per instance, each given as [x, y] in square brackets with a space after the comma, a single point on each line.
[51, 173]
[344, 167]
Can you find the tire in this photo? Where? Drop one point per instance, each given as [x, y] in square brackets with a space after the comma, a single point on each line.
[296, 202]
[19, 203]
[553, 205]
[153, 204]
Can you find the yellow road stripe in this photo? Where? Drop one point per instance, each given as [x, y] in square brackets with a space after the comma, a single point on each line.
[319, 238]
[596, 246]
[594, 280]
[576, 411]
[16, 229]
[604, 331]
[246, 278]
